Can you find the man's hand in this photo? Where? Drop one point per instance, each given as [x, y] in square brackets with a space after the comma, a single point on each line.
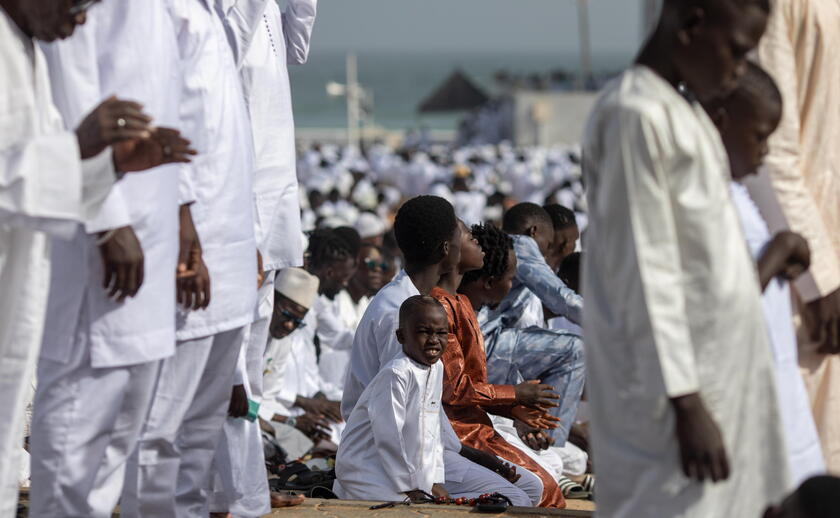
[826, 314]
[579, 436]
[192, 277]
[238, 402]
[534, 394]
[165, 146]
[313, 426]
[330, 410]
[113, 121]
[535, 438]
[799, 256]
[539, 419]
[491, 462]
[122, 260]
[702, 452]
[416, 496]
[260, 272]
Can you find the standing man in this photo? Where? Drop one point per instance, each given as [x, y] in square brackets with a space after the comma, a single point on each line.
[265, 41]
[110, 317]
[799, 189]
[169, 472]
[685, 419]
[50, 179]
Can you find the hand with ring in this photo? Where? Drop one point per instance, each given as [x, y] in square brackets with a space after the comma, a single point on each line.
[165, 146]
[114, 120]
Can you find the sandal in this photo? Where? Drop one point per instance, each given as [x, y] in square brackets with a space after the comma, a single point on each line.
[296, 476]
[588, 484]
[572, 490]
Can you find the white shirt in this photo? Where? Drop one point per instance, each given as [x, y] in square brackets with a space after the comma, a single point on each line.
[673, 307]
[375, 342]
[111, 54]
[391, 443]
[337, 323]
[220, 179]
[266, 40]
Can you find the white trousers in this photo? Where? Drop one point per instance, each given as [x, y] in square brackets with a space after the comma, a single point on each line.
[549, 459]
[238, 481]
[24, 285]
[85, 424]
[465, 478]
[169, 472]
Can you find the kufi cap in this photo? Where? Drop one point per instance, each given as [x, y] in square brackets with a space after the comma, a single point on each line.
[297, 285]
[369, 225]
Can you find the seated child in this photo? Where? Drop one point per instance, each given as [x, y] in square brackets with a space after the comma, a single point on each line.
[392, 447]
[746, 119]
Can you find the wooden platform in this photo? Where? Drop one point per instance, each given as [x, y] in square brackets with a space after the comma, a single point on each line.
[315, 508]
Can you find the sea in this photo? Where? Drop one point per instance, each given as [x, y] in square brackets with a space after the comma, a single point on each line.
[399, 82]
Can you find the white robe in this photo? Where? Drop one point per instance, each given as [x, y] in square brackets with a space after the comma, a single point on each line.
[337, 322]
[292, 372]
[375, 342]
[43, 191]
[221, 176]
[266, 41]
[803, 444]
[392, 443]
[673, 308]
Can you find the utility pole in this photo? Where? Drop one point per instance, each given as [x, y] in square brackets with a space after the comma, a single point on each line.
[353, 99]
[585, 45]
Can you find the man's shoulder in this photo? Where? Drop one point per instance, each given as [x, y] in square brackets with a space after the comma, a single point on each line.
[637, 93]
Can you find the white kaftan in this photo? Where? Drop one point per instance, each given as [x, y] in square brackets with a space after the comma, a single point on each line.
[392, 443]
[169, 480]
[266, 41]
[103, 57]
[673, 308]
[333, 361]
[43, 192]
[803, 444]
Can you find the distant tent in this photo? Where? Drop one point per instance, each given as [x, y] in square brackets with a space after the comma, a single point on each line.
[457, 93]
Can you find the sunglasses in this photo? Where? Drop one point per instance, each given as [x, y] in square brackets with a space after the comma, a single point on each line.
[372, 265]
[290, 317]
[81, 6]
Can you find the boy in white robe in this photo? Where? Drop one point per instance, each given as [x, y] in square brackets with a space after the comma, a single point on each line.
[680, 382]
[746, 119]
[392, 448]
[430, 239]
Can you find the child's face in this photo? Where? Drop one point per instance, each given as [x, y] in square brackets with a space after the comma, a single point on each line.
[472, 256]
[715, 55]
[748, 127]
[424, 334]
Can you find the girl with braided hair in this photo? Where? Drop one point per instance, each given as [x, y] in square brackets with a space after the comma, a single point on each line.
[467, 395]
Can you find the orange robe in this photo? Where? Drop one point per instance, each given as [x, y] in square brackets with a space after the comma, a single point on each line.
[467, 397]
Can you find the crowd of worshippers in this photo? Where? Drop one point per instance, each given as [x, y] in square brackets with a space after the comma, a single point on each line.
[408, 326]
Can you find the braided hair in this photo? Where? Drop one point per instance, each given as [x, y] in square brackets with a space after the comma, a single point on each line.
[496, 245]
[326, 246]
[422, 225]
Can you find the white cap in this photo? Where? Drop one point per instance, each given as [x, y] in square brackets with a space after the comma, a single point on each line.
[369, 225]
[297, 285]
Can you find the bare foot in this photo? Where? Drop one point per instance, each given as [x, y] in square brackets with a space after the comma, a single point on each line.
[285, 500]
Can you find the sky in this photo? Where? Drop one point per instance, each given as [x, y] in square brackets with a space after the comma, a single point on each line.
[474, 25]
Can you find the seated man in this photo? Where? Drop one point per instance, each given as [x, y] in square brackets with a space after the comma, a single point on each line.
[515, 353]
[393, 448]
[333, 258]
[566, 233]
[292, 387]
[815, 498]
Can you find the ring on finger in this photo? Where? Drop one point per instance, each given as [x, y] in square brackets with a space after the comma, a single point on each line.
[121, 122]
